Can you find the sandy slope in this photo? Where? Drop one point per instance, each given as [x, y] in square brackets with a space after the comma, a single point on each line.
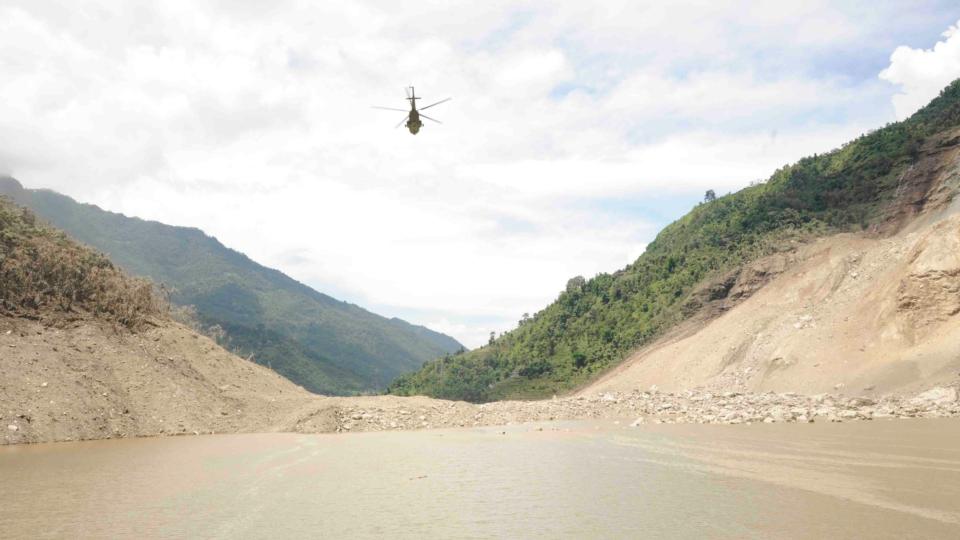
[90, 380]
[855, 314]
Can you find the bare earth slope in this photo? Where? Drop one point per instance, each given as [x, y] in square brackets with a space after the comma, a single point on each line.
[91, 381]
[853, 314]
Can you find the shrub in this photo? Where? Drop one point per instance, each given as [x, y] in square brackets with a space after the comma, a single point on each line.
[42, 270]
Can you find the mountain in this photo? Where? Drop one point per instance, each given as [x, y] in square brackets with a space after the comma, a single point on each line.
[700, 265]
[325, 345]
[860, 314]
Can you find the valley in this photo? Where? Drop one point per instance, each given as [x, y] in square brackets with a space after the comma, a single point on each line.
[816, 324]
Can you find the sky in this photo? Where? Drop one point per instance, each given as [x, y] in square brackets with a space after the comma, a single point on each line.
[576, 130]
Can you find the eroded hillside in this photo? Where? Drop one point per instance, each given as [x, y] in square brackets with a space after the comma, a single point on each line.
[864, 315]
[873, 312]
[89, 352]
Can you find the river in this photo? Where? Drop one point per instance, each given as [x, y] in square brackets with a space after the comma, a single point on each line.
[882, 479]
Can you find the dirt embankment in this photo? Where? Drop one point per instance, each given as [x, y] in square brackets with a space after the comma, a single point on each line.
[91, 380]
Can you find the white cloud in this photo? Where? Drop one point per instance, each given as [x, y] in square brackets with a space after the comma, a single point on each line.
[922, 73]
[252, 121]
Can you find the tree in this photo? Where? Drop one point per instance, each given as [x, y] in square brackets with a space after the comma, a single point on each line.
[493, 336]
[579, 359]
[710, 196]
[576, 284]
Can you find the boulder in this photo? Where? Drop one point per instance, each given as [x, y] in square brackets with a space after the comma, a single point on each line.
[860, 402]
[780, 413]
[936, 396]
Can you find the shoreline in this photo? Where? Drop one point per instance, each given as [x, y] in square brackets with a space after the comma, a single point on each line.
[337, 415]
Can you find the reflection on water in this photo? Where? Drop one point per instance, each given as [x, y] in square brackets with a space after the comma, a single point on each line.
[586, 480]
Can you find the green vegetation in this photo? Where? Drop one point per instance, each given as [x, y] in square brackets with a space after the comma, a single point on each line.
[595, 323]
[46, 275]
[321, 343]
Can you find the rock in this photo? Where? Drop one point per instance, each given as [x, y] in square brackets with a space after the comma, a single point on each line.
[936, 396]
[884, 413]
[13, 427]
[638, 422]
[780, 414]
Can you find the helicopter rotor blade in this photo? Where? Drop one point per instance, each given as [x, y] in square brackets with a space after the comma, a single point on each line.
[437, 103]
[428, 118]
[388, 108]
[406, 90]
[402, 122]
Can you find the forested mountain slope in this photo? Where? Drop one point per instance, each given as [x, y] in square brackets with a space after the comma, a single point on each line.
[697, 261]
[324, 344]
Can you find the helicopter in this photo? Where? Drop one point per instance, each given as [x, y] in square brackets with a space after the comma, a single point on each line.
[412, 119]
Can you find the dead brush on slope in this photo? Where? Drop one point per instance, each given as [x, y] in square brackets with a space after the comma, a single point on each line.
[45, 274]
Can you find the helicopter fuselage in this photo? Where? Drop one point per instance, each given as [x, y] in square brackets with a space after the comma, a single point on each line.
[413, 121]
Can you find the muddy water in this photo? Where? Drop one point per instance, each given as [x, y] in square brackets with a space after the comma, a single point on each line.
[587, 480]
